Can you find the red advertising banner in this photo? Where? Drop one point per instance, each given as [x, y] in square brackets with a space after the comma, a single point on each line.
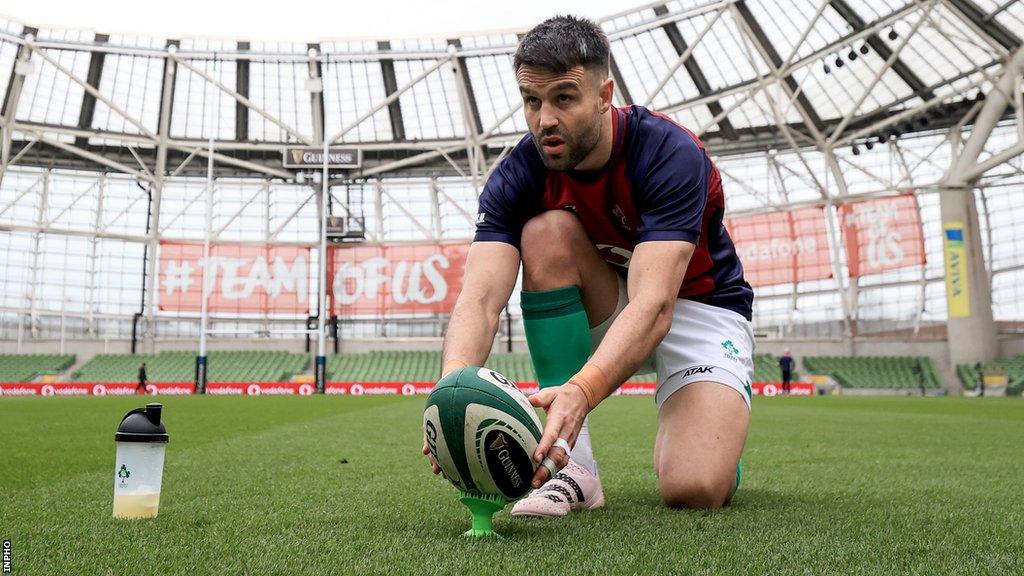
[627, 389]
[882, 234]
[782, 247]
[241, 278]
[775, 388]
[397, 279]
[259, 388]
[93, 388]
[306, 389]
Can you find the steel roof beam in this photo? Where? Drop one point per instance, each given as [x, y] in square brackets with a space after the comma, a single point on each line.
[882, 49]
[387, 68]
[10, 104]
[776, 61]
[981, 21]
[316, 78]
[700, 81]
[88, 110]
[242, 87]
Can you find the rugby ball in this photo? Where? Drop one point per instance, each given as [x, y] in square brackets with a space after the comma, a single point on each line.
[482, 431]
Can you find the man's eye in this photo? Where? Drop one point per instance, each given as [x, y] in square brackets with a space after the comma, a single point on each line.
[563, 98]
[532, 101]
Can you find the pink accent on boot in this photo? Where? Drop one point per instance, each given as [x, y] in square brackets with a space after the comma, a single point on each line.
[573, 488]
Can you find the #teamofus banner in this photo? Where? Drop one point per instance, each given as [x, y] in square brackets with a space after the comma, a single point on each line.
[882, 234]
[401, 278]
[241, 278]
[782, 247]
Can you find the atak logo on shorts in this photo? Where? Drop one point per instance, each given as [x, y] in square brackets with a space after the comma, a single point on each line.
[480, 218]
[698, 370]
[731, 351]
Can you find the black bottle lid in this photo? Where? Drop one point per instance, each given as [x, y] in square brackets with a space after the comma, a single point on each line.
[142, 425]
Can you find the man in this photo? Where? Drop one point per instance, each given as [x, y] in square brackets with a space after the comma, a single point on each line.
[140, 388]
[786, 366]
[616, 216]
[918, 373]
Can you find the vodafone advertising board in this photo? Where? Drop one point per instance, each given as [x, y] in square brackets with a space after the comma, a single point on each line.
[94, 388]
[307, 389]
[627, 389]
[260, 388]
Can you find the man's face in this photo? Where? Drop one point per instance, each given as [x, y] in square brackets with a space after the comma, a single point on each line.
[564, 112]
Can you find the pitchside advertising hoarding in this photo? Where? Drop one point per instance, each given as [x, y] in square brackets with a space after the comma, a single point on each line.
[341, 388]
[94, 388]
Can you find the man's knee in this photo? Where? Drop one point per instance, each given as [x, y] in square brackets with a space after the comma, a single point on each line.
[548, 232]
[694, 489]
[549, 241]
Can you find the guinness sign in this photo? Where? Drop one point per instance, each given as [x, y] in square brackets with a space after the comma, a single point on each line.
[313, 158]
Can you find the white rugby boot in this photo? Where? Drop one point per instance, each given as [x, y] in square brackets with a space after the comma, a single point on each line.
[573, 488]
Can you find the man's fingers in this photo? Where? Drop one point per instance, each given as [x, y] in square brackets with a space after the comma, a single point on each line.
[540, 477]
[544, 398]
[433, 463]
[551, 430]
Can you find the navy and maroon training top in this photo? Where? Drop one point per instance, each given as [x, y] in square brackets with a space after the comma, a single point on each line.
[658, 184]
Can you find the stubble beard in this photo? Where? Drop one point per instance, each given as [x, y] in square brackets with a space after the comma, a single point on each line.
[577, 148]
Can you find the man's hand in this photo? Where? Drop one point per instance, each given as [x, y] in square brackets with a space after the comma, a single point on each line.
[426, 452]
[566, 407]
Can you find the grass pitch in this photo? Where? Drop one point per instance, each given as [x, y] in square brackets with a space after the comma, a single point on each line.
[336, 485]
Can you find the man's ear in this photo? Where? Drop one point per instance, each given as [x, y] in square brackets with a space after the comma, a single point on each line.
[606, 90]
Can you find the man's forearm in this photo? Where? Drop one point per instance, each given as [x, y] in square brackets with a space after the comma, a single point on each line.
[630, 340]
[470, 334]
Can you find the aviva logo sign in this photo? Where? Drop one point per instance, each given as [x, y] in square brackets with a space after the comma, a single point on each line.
[957, 287]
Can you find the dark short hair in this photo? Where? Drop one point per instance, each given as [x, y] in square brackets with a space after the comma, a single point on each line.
[561, 43]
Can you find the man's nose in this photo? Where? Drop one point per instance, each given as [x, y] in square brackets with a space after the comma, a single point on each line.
[547, 119]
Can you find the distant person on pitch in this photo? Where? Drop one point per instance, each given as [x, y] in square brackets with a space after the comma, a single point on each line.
[786, 363]
[981, 378]
[140, 388]
[616, 215]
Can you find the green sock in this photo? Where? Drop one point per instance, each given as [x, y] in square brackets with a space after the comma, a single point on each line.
[557, 333]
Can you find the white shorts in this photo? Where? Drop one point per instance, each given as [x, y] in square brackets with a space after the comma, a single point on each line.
[705, 344]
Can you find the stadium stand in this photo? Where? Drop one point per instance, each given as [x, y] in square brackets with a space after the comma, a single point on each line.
[766, 369]
[876, 372]
[26, 367]
[1013, 367]
[422, 366]
[243, 366]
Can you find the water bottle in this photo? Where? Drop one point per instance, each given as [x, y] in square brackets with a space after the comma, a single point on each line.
[141, 440]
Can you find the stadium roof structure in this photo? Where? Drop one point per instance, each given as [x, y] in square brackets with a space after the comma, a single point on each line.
[746, 75]
[112, 144]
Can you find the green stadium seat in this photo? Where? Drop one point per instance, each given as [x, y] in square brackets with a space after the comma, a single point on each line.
[1012, 366]
[224, 366]
[27, 367]
[877, 372]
